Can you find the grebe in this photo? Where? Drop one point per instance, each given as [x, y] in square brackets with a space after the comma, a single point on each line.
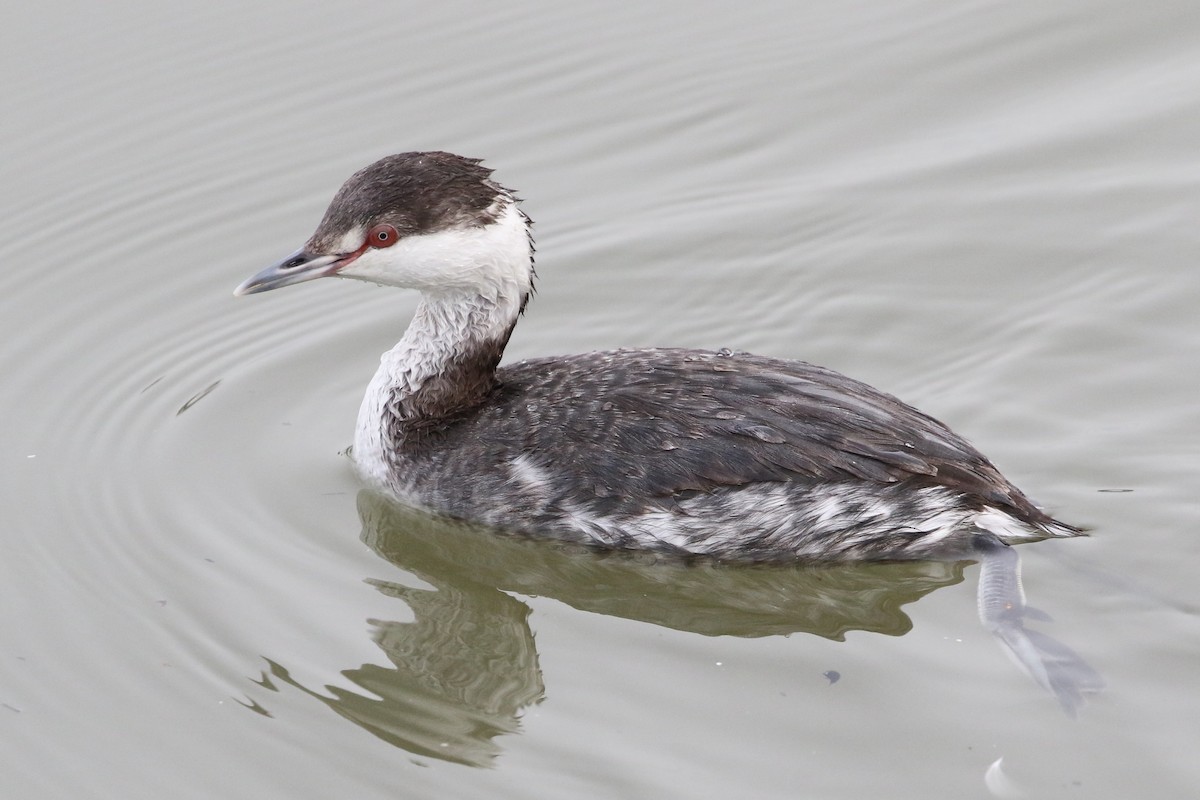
[723, 454]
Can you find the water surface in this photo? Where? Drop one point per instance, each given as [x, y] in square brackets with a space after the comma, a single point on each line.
[988, 209]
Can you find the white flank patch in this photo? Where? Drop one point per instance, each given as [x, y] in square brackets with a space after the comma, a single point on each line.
[528, 474]
[1006, 528]
[828, 508]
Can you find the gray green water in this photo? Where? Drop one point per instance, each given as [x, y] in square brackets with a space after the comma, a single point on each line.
[989, 209]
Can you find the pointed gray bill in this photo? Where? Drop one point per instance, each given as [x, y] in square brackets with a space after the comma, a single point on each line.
[300, 266]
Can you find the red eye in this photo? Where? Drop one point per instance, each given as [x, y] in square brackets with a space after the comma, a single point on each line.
[383, 235]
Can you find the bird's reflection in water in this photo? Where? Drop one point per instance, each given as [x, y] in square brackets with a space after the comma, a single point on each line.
[461, 672]
[466, 666]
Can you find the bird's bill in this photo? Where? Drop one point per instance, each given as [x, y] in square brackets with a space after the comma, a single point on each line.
[300, 266]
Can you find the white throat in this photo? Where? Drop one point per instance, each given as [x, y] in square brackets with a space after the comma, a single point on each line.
[474, 283]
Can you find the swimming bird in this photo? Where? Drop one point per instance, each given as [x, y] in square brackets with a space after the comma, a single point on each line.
[722, 454]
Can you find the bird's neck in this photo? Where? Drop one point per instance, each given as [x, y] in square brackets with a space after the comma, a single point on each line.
[474, 284]
[445, 364]
[448, 357]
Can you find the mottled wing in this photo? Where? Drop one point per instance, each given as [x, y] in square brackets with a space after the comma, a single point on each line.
[662, 422]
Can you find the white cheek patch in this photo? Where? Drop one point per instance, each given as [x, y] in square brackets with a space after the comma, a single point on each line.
[487, 259]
